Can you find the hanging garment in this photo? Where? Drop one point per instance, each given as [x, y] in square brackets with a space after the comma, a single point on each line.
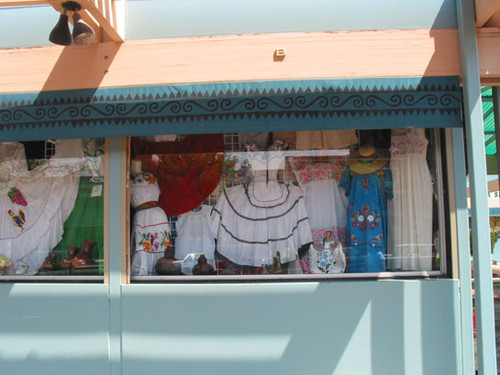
[368, 186]
[160, 138]
[262, 140]
[187, 170]
[253, 222]
[194, 237]
[35, 204]
[325, 139]
[410, 212]
[325, 200]
[150, 228]
[86, 222]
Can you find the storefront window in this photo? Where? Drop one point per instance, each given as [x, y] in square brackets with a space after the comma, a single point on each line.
[298, 204]
[52, 196]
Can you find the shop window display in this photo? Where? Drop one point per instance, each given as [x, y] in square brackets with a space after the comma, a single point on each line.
[51, 198]
[305, 204]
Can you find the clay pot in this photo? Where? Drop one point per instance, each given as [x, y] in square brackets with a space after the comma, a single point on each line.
[168, 265]
[203, 268]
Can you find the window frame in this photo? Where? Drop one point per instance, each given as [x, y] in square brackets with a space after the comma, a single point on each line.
[97, 279]
[441, 136]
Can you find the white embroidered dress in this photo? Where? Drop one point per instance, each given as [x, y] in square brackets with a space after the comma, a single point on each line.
[194, 237]
[252, 222]
[35, 204]
[150, 227]
[325, 200]
[410, 211]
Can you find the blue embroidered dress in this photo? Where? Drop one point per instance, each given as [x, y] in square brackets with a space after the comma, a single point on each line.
[367, 217]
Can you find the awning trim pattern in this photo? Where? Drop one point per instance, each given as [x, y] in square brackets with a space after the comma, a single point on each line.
[233, 106]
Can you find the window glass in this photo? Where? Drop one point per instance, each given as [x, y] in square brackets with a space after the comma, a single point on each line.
[305, 203]
[51, 198]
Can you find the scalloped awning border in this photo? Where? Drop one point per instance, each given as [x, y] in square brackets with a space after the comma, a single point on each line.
[375, 103]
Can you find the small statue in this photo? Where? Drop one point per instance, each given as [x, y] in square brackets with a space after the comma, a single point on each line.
[168, 265]
[277, 264]
[70, 255]
[50, 263]
[328, 241]
[5, 262]
[84, 258]
[203, 268]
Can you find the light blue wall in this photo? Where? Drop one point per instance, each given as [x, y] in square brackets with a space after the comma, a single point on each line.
[338, 327]
[147, 19]
[354, 327]
[53, 329]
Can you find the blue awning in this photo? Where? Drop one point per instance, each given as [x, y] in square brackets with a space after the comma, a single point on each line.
[375, 103]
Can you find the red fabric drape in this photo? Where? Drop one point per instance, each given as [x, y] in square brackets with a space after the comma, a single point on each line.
[187, 170]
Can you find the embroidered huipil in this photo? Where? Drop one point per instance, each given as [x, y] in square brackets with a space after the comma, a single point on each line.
[367, 219]
[325, 200]
[194, 237]
[150, 227]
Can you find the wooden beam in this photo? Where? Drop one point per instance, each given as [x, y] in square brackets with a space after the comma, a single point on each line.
[313, 55]
[353, 54]
[11, 3]
[488, 40]
[492, 187]
[494, 21]
[485, 9]
[105, 17]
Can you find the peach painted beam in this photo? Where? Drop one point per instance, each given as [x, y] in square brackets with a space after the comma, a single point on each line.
[11, 3]
[353, 54]
[488, 40]
[494, 21]
[485, 9]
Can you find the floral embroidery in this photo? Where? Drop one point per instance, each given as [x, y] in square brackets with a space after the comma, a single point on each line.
[145, 242]
[19, 219]
[155, 242]
[144, 178]
[17, 197]
[235, 171]
[375, 242]
[306, 170]
[150, 179]
[365, 219]
[327, 260]
[167, 239]
[408, 141]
